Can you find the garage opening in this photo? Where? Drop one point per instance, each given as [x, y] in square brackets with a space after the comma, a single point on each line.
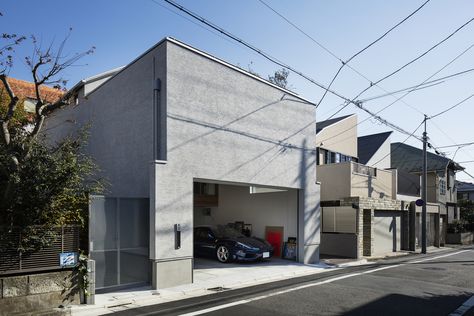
[242, 226]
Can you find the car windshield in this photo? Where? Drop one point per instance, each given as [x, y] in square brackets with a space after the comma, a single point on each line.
[222, 231]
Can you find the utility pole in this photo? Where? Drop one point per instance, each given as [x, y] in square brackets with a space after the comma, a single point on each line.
[424, 192]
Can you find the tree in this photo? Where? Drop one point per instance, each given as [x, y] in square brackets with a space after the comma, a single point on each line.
[467, 211]
[280, 78]
[41, 185]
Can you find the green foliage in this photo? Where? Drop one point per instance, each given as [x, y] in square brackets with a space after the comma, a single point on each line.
[48, 188]
[20, 116]
[467, 211]
[83, 273]
[457, 226]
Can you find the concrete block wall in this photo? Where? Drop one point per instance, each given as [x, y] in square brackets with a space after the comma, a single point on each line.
[37, 292]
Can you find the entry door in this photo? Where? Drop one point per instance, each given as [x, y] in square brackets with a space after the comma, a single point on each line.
[119, 241]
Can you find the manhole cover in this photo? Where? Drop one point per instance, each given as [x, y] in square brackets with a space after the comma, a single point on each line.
[218, 289]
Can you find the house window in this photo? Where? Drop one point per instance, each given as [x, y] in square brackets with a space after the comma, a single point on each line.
[442, 186]
[329, 157]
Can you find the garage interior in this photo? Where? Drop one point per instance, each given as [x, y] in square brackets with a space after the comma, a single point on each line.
[264, 212]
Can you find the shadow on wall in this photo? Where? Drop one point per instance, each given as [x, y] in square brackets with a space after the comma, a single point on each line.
[399, 304]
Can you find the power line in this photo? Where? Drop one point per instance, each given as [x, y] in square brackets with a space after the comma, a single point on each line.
[407, 64]
[368, 46]
[425, 85]
[359, 104]
[418, 57]
[457, 145]
[252, 47]
[452, 107]
[272, 59]
[396, 148]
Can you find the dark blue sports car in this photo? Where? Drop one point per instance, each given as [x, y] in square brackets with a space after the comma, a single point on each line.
[227, 244]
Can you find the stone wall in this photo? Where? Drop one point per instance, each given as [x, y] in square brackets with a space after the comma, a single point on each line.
[37, 292]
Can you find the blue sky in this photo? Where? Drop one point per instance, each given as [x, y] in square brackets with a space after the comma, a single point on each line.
[121, 30]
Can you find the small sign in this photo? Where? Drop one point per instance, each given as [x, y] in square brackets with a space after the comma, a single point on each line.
[420, 202]
[67, 259]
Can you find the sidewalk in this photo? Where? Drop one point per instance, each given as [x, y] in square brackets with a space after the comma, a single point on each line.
[211, 277]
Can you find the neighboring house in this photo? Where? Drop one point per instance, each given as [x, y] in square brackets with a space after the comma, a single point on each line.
[25, 91]
[465, 191]
[361, 213]
[374, 150]
[187, 139]
[441, 189]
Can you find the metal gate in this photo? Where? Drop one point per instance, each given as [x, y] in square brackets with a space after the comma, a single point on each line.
[119, 241]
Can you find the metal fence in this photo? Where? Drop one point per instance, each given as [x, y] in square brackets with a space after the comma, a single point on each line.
[14, 262]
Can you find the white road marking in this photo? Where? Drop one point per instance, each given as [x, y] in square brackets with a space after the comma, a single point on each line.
[464, 308]
[297, 288]
[442, 256]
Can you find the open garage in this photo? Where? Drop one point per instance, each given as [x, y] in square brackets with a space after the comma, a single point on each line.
[248, 214]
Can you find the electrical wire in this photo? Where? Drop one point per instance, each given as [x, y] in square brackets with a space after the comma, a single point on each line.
[353, 100]
[367, 47]
[427, 84]
[457, 145]
[399, 144]
[252, 47]
[452, 107]
[399, 98]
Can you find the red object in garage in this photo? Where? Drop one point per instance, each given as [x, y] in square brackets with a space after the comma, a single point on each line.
[274, 235]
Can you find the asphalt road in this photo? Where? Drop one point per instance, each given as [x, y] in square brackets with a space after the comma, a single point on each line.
[418, 285]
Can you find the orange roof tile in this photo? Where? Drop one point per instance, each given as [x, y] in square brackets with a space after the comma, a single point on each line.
[24, 89]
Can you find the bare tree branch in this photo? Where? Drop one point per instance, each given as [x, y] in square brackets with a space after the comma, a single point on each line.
[11, 110]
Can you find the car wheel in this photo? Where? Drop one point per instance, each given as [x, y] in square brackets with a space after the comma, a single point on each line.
[223, 254]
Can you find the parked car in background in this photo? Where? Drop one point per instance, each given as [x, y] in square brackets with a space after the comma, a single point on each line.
[227, 244]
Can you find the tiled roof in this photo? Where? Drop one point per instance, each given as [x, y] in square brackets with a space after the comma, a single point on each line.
[409, 159]
[368, 145]
[465, 186]
[26, 90]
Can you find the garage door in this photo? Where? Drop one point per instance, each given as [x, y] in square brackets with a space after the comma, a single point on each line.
[386, 232]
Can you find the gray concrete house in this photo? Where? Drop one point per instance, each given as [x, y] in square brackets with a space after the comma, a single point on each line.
[441, 189]
[186, 139]
[361, 215]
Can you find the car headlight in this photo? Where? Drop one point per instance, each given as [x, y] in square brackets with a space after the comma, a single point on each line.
[244, 246]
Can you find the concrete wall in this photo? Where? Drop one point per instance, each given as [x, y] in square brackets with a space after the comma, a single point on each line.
[225, 125]
[339, 181]
[340, 137]
[335, 181]
[341, 245]
[381, 158]
[261, 210]
[37, 292]
[120, 114]
[369, 186]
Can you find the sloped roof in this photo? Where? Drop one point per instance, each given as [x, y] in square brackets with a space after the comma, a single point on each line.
[26, 90]
[368, 145]
[465, 186]
[324, 124]
[409, 159]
